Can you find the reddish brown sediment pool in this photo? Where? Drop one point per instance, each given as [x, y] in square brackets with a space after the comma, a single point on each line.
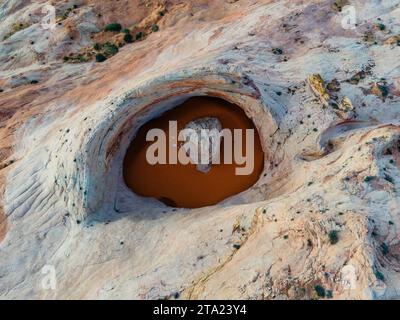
[180, 185]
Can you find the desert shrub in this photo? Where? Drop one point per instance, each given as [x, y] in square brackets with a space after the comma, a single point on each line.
[369, 178]
[155, 28]
[82, 58]
[320, 291]
[76, 58]
[389, 179]
[139, 35]
[380, 26]
[110, 49]
[100, 57]
[379, 275]
[333, 237]
[384, 248]
[338, 5]
[128, 38]
[115, 27]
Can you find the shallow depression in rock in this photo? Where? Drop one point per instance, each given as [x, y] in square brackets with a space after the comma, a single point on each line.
[180, 185]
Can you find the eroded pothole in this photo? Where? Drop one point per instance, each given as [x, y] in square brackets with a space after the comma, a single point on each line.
[187, 185]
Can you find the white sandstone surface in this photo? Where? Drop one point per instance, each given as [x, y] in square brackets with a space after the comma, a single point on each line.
[65, 127]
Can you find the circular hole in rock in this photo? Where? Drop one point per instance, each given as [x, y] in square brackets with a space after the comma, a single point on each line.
[200, 183]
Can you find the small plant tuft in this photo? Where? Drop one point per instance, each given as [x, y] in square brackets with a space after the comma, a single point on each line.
[389, 179]
[100, 57]
[369, 178]
[379, 275]
[110, 49]
[380, 26]
[139, 35]
[277, 51]
[338, 5]
[128, 38]
[320, 291]
[97, 46]
[384, 249]
[333, 237]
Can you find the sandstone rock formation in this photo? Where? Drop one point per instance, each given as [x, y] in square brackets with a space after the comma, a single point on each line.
[205, 143]
[321, 223]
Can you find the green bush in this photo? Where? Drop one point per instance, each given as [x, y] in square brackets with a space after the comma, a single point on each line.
[155, 28]
[100, 57]
[82, 58]
[369, 178]
[385, 248]
[320, 291]
[277, 51]
[128, 38]
[110, 49]
[139, 35]
[389, 178]
[381, 26]
[333, 237]
[115, 27]
[379, 275]
[339, 4]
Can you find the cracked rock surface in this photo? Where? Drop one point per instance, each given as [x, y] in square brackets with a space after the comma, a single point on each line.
[326, 204]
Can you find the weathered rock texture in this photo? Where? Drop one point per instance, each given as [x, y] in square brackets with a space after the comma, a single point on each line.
[329, 197]
[203, 144]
